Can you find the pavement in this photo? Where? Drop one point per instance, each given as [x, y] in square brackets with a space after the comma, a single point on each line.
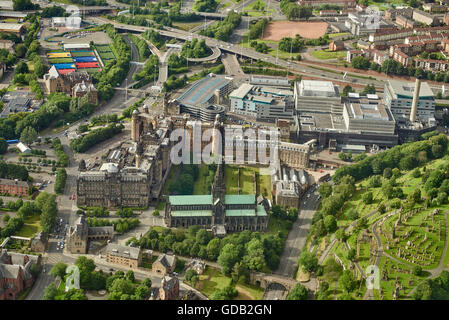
[298, 235]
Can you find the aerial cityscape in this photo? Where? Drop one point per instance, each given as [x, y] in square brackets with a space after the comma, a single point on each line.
[230, 150]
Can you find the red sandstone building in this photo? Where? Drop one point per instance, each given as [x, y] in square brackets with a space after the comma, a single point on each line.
[14, 187]
[15, 273]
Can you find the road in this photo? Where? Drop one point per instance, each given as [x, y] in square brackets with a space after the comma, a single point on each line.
[294, 66]
[132, 66]
[232, 65]
[297, 236]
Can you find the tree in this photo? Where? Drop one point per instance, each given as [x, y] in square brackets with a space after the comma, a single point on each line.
[369, 89]
[299, 292]
[213, 249]
[21, 67]
[348, 281]
[351, 254]
[229, 255]
[325, 189]
[347, 89]
[3, 145]
[23, 5]
[28, 135]
[130, 276]
[417, 271]
[190, 274]
[360, 62]
[6, 218]
[255, 259]
[340, 235]
[308, 261]
[146, 282]
[202, 237]
[387, 173]
[50, 292]
[58, 270]
[330, 223]
[367, 197]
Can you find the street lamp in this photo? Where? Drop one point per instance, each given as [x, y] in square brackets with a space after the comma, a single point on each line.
[126, 90]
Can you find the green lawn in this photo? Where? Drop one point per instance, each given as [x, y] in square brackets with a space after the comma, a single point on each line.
[339, 34]
[31, 226]
[200, 186]
[211, 280]
[186, 26]
[246, 181]
[326, 54]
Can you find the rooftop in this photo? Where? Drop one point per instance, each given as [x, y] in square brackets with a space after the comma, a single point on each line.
[202, 90]
[123, 251]
[190, 200]
[240, 199]
[405, 90]
[317, 88]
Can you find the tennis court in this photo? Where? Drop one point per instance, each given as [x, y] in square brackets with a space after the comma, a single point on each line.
[82, 65]
[64, 66]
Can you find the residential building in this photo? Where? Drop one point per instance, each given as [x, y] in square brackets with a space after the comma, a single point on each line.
[399, 96]
[82, 89]
[391, 14]
[425, 18]
[318, 3]
[15, 273]
[434, 7]
[169, 289]
[262, 103]
[165, 264]
[196, 265]
[56, 82]
[14, 187]
[405, 22]
[122, 255]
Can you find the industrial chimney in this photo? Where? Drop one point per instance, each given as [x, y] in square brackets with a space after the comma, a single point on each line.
[415, 100]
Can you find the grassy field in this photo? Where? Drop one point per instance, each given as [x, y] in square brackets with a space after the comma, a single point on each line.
[186, 26]
[326, 54]
[200, 186]
[31, 226]
[258, 8]
[213, 279]
[246, 181]
[339, 34]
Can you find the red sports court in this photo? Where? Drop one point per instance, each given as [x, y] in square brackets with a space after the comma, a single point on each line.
[87, 65]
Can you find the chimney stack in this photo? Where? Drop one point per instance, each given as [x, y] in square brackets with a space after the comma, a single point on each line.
[414, 110]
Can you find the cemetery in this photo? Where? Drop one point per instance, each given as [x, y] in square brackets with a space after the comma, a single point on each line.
[397, 221]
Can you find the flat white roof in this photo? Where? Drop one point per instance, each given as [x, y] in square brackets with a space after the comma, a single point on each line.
[76, 46]
[242, 91]
[317, 88]
[10, 26]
